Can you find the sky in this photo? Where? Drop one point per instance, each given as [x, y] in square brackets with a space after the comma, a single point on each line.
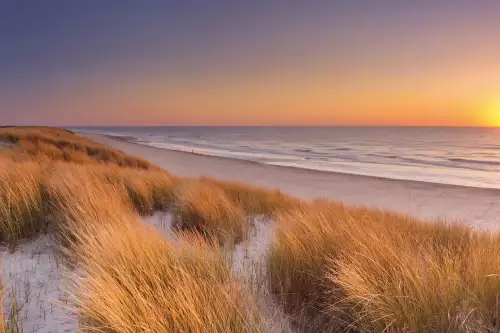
[221, 62]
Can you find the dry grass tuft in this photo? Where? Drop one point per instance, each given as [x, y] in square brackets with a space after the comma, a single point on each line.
[206, 209]
[368, 271]
[136, 281]
[21, 201]
[80, 197]
[55, 144]
[148, 190]
[255, 200]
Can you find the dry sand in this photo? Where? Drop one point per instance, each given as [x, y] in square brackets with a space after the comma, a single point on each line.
[477, 207]
[35, 289]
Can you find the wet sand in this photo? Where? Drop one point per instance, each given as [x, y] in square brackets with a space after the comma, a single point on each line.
[477, 207]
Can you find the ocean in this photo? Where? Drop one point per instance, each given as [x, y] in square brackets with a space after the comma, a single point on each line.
[447, 155]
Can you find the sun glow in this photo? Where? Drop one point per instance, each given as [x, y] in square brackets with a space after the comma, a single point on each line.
[494, 114]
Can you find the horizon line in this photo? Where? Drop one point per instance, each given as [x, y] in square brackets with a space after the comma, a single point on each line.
[272, 125]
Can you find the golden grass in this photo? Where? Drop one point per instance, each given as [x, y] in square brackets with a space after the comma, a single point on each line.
[369, 271]
[254, 200]
[79, 198]
[133, 280]
[217, 209]
[148, 190]
[34, 196]
[333, 268]
[10, 321]
[136, 281]
[54, 144]
[21, 201]
[206, 209]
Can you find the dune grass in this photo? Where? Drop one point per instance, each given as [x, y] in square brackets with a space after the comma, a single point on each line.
[54, 144]
[79, 198]
[215, 208]
[339, 269]
[206, 209]
[148, 190]
[22, 211]
[136, 281]
[254, 200]
[10, 320]
[333, 268]
[130, 278]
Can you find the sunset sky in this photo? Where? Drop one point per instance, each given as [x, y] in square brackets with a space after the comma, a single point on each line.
[267, 62]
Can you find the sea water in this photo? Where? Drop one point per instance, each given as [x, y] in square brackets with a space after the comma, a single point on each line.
[448, 155]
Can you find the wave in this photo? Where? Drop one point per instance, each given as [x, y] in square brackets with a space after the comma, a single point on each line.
[309, 154]
[316, 158]
[489, 147]
[465, 160]
[392, 157]
[452, 158]
[310, 150]
[303, 150]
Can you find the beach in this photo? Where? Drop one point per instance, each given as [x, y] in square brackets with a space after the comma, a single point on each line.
[476, 207]
[124, 240]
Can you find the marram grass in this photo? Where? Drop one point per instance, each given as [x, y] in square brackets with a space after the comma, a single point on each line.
[331, 267]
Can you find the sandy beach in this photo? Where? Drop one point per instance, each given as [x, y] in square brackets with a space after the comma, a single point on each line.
[476, 207]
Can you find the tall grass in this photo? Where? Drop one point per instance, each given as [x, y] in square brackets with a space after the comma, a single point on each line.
[53, 144]
[254, 200]
[218, 209]
[334, 269]
[341, 269]
[21, 201]
[132, 279]
[148, 190]
[206, 209]
[34, 196]
[79, 197]
[136, 281]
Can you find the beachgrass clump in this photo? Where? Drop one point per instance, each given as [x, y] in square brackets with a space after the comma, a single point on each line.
[79, 198]
[55, 144]
[136, 281]
[255, 200]
[206, 209]
[306, 239]
[398, 287]
[148, 190]
[21, 201]
[364, 270]
[36, 195]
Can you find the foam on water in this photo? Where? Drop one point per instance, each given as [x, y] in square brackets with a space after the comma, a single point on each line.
[459, 156]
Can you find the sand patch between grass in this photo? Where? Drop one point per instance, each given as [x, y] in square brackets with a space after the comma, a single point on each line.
[248, 259]
[32, 274]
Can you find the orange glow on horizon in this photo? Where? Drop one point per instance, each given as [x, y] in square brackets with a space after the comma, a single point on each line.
[326, 64]
[493, 114]
[262, 98]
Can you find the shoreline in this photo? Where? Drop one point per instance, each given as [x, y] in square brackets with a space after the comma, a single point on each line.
[474, 206]
[131, 139]
[127, 140]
